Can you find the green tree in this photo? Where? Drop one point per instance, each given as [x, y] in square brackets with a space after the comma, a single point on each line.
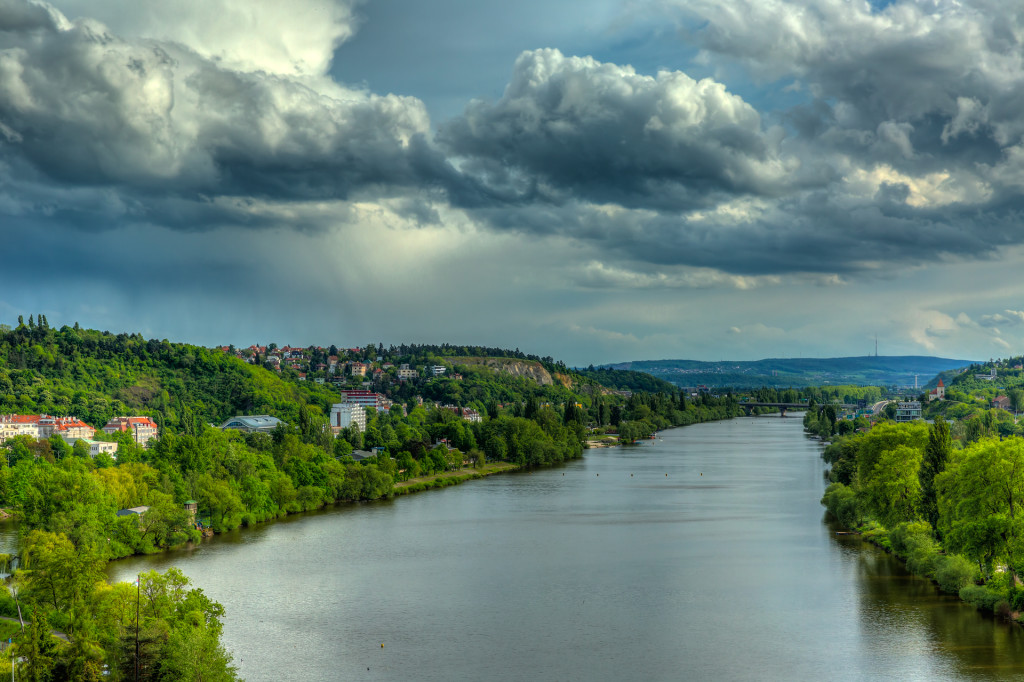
[892, 490]
[1016, 400]
[936, 455]
[39, 652]
[194, 653]
[980, 503]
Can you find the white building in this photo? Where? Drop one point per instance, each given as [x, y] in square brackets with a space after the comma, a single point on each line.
[908, 411]
[346, 414]
[143, 429]
[95, 446]
[438, 370]
[43, 426]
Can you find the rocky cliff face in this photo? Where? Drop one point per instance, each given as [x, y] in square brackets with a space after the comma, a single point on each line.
[520, 368]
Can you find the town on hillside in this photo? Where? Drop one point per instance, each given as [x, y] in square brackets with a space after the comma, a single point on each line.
[76, 433]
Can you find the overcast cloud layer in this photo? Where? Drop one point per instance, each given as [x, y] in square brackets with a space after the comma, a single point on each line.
[773, 178]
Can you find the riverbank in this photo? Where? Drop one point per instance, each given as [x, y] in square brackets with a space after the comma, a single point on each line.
[450, 478]
[573, 553]
[886, 485]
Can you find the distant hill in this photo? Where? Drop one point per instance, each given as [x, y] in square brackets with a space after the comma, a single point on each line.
[622, 379]
[867, 370]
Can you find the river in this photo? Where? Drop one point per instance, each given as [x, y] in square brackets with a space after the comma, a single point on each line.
[701, 555]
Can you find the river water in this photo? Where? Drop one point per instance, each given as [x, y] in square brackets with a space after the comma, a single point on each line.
[701, 555]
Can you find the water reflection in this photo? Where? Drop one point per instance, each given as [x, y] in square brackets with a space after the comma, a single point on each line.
[700, 556]
[907, 617]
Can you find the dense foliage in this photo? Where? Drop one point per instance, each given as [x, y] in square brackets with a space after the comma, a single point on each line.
[97, 375]
[74, 626]
[69, 502]
[954, 513]
[628, 380]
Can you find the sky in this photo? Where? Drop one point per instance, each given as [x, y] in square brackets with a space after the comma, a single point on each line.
[596, 181]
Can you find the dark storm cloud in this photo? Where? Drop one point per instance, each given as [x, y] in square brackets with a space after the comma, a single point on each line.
[576, 127]
[812, 233]
[81, 107]
[907, 149]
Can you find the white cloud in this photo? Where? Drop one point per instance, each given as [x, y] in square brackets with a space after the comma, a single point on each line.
[924, 191]
[1011, 318]
[294, 38]
[599, 275]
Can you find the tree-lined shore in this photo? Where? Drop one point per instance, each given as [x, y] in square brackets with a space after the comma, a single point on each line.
[196, 478]
[950, 507]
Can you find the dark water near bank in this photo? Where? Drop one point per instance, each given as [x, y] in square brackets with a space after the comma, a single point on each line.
[605, 569]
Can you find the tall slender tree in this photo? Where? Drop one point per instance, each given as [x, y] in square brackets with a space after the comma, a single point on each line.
[936, 455]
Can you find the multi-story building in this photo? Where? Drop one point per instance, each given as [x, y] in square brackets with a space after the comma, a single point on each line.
[908, 411]
[346, 414]
[143, 429]
[405, 373]
[12, 425]
[43, 426]
[438, 370]
[66, 427]
[366, 399]
[358, 369]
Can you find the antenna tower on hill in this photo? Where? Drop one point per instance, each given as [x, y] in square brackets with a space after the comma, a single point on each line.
[876, 345]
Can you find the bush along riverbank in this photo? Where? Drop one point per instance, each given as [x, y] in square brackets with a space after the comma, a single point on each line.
[954, 512]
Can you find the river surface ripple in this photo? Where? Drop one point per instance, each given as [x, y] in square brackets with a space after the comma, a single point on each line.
[701, 555]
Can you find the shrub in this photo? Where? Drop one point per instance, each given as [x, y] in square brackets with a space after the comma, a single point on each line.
[876, 533]
[954, 572]
[1017, 599]
[908, 536]
[842, 503]
[981, 597]
[8, 607]
[922, 557]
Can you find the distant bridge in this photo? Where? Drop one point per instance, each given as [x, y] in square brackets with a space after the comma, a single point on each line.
[782, 407]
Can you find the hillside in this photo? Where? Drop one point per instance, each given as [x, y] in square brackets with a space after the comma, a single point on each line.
[96, 375]
[532, 369]
[783, 372]
[627, 380]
